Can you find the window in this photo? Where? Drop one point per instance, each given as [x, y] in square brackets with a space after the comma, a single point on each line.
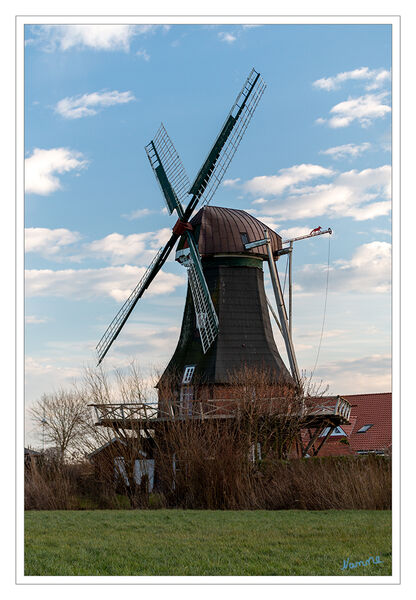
[186, 399]
[188, 374]
[244, 237]
[365, 428]
[337, 431]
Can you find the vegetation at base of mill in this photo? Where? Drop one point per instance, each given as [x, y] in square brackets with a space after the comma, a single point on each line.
[177, 542]
[249, 461]
[339, 482]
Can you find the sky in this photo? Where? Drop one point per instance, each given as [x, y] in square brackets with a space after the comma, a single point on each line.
[317, 153]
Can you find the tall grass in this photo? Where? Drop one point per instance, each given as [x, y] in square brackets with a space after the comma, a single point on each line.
[215, 467]
[361, 482]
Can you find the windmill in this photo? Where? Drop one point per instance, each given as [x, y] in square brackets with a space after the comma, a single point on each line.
[247, 340]
[226, 322]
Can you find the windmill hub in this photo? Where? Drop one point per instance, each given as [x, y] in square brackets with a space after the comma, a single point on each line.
[181, 227]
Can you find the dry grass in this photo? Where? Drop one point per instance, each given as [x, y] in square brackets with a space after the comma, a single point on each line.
[226, 481]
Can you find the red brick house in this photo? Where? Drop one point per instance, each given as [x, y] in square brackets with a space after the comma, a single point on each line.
[370, 429]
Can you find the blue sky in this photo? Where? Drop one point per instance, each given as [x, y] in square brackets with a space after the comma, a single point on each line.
[317, 152]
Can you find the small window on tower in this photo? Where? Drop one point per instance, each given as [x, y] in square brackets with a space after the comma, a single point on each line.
[188, 374]
[244, 238]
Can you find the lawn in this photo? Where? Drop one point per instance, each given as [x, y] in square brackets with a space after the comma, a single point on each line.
[200, 542]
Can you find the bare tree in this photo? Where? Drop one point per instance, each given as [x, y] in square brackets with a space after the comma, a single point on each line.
[117, 459]
[62, 416]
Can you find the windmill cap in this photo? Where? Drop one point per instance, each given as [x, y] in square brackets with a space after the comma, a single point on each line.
[221, 230]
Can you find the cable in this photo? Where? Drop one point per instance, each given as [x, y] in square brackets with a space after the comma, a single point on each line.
[326, 298]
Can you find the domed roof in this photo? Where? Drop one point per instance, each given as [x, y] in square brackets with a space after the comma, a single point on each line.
[225, 230]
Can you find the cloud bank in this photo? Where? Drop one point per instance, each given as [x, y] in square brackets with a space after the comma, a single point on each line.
[95, 37]
[368, 271]
[360, 195]
[88, 284]
[375, 78]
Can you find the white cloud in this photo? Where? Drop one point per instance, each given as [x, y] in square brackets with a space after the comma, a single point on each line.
[293, 232]
[329, 333]
[230, 182]
[269, 221]
[227, 37]
[358, 194]
[49, 242]
[138, 214]
[75, 107]
[43, 165]
[286, 178]
[85, 284]
[346, 150]
[375, 78]
[120, 249]
[364, 374]
[117, 249]
[368, 271]
[383, 231]
[363, 109]
[143, 54]
[34, 320]
[98, 37]
[143, 338]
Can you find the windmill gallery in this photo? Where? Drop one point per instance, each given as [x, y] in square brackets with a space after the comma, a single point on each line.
[226, 366]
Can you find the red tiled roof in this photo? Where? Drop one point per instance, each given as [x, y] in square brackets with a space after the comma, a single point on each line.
[366, 409]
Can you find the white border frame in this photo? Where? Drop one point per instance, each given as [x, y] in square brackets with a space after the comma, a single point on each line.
[176, 19]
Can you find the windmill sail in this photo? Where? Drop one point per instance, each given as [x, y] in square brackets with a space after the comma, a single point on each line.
[206, 317]
[168, 168]
[228, 140]
[123, 314]
[174, 184]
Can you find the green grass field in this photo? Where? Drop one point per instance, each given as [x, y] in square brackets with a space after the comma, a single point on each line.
[198, 542]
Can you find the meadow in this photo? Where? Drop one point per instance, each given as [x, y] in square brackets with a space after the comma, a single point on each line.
[205, 542]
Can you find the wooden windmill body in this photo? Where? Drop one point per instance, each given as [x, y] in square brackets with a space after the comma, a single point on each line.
[235, 280]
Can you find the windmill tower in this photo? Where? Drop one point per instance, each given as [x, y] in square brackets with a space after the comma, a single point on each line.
[235, 280]
[226, 324]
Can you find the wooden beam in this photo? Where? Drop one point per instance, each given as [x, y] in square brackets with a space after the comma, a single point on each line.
[331, 429]
[311, 442]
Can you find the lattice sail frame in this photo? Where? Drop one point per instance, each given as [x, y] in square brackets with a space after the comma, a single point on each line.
[168, 168]
[213, 170]
[206, 317]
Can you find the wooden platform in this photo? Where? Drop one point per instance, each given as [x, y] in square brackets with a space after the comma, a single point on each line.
[335, 411]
